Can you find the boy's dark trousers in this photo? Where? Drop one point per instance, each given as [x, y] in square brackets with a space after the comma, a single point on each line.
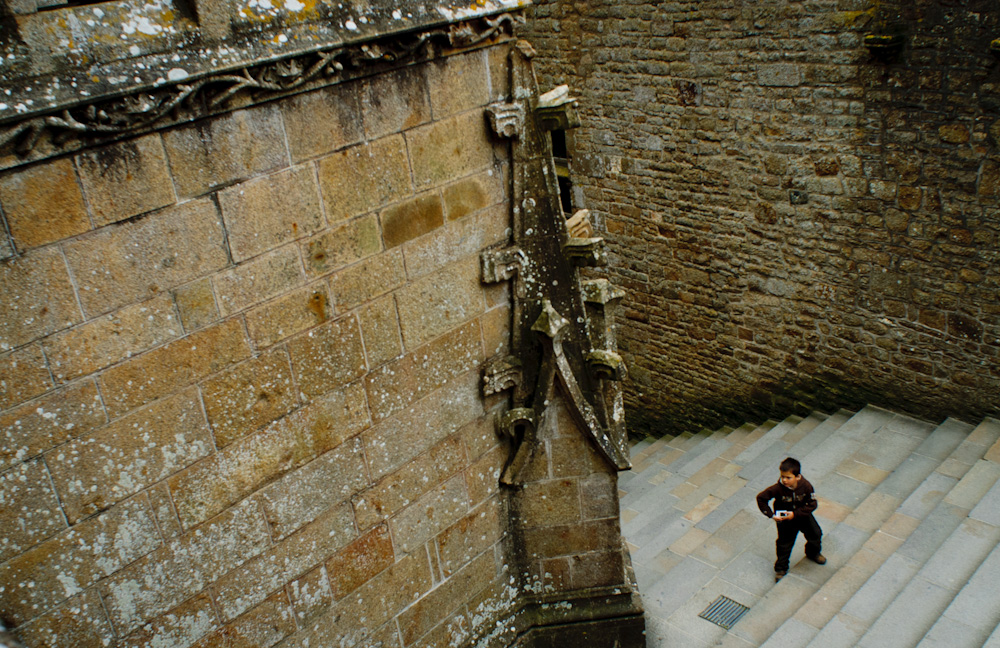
[788, 531]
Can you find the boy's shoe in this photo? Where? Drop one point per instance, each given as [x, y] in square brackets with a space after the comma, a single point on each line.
[778, 575]
[819, 559]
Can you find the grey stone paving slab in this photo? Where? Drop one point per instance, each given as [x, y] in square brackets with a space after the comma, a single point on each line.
[927, 495]
[948, 633]
[907, 425]
[650, 504]
[662, 634]
[945, 438]
[988, 508]
[716, 448]
[686, 616]
[731, 538]
[974, 486]
[994, 639]
[826, 456]
[743, 498]
[977, 604]
[645, 576]
[907, 476]
[641, 485]
[764, 442]
[658, 519]
[772, 609]
[767, 460]
[932, 532]
[818, 434]
[865, 422]
[678, 585]
[666, 537]
[791, 633]
[750, 572]
[909, 616]
[844, 490]
[888, 449]
[841, 542]
[878, 591]
[841, 632]
[957, 559]
[705, 445]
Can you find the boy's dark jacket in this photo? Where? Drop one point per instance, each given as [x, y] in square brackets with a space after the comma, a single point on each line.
[800, 501]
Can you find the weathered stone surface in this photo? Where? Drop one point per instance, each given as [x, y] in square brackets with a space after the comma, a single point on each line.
[256, 280]
[395, 102]
[196, 304]
[419, 618]
[483, 475]
[310, 595]
[43, 203]
[253, 581]
[455, 241]
[380, 331]
[265, 212]
[172, 367]
[80, 621]
[327, 480]
[462, 84]
[360, 561]
[323, 121]
[411, 219]
[381, 167]
[367, 280]
[29, 508]
[439, 302]
[449, 149]
[249, 396]
[166, 577]
[337, 248]
[401, 488]
[216, 152]
[469, 195]
[134, 261]
[23, 375]
[460, 543]
[182, 625]
[126, 179]
[38, 297]
[394, 386]
[550, 503]
[430, 514]
[31, 429]
[289, 314]
[104, 341]
[39, 579]
[97, 470]
[328, 356]
[226, 477]
[262, 626]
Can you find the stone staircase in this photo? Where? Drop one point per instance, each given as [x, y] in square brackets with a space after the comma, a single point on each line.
[911, 519]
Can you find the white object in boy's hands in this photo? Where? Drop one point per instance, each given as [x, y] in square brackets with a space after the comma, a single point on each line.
[781, 515]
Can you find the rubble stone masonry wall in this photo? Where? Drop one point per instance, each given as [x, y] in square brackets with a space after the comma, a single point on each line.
[240, 359]
[800, 222]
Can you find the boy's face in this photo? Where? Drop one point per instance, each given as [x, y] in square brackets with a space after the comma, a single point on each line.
[790, 480]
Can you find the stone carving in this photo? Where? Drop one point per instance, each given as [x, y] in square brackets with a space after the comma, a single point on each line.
[500, 374]
[551, 332]
[172, 104]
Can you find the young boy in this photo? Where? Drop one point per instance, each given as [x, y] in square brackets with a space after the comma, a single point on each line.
[794, 503]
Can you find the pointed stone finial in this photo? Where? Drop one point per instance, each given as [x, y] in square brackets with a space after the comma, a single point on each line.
[550, 322]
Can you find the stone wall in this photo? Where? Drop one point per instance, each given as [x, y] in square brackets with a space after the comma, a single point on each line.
[800, 222]
[240, 400]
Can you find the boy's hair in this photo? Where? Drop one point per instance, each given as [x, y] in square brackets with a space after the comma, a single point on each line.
[791, 465]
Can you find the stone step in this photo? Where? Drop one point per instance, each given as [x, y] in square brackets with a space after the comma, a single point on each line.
[974, 613]
[842, 539]
[922, 522]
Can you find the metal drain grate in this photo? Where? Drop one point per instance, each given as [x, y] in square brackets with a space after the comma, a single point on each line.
[724, 612]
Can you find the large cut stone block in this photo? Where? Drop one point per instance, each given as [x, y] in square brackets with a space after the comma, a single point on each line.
[439, 302]
[450, 149]
[335, 249]
[259, 279]
[174, 366]
[266, 212]
[133, 261]
[368, 279]
[29, 508]
[95, 471]
[112, 338]
[328, 356]
[323, 121]
[38, 297]
[23, 375]
[289, 314]
[396, 101]
[214, 153]
[126, 179]
[360, 561]
[43, 203]
[364, 177]
[462, 83]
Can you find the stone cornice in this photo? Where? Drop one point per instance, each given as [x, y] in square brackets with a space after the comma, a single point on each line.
[83, 122]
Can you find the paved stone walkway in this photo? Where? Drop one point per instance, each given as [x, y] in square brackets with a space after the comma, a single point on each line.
[911, 519]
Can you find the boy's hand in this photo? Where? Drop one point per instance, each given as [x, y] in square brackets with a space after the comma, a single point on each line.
[783, 515]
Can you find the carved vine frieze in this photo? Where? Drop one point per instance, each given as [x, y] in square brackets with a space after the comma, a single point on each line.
[166, 105]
